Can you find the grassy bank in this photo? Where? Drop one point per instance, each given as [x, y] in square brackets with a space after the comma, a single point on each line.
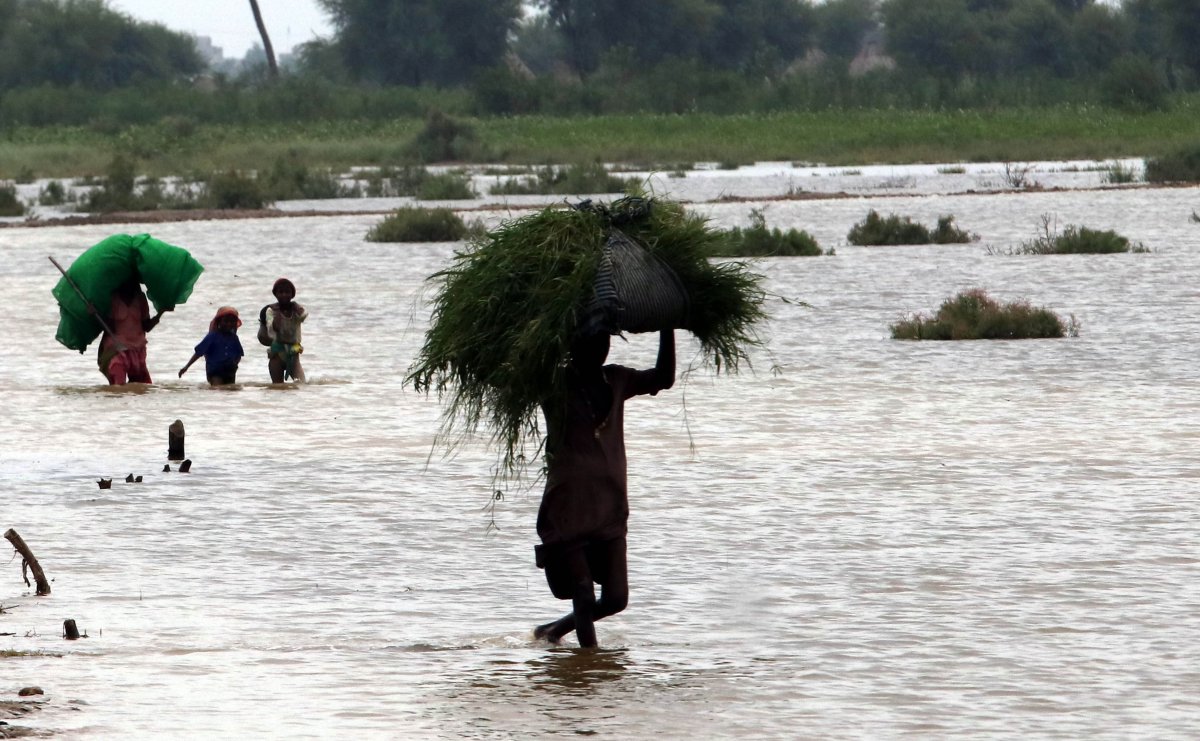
[843, 137]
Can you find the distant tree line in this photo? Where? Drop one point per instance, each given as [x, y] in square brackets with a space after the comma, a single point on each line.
[595, 56]
[84, 43]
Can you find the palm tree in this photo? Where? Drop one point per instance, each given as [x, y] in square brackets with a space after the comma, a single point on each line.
[272, 66]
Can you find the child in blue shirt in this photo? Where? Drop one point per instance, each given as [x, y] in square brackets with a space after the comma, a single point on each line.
[221, 349]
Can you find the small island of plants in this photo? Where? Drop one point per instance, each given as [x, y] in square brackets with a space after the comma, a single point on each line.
[1076, 240]
[973, 315]
[876, 230]
[759, 241]
[410, 224]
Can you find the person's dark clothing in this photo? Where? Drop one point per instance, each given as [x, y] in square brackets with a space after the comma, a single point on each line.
[586, 499]
[221, 351]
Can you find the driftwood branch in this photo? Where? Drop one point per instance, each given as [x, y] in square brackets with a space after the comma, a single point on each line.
[28, 561]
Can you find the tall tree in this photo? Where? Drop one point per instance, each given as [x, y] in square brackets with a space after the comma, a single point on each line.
[269, 50]
[755, 36]
[941, 37]
[419, 42]
[1182, 17]
[83, 42]
[1038, 37]
[842, 24]
[648, 31]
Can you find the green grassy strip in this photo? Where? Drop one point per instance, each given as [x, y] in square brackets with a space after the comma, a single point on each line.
[838, 137]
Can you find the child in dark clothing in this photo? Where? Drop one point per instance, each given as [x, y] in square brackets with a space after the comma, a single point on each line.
[221, 349]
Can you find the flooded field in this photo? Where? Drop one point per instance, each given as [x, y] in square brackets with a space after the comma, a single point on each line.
[858, 537]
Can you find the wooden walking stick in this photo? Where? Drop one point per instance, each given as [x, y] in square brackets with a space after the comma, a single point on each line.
[91, 309]
[28, 561]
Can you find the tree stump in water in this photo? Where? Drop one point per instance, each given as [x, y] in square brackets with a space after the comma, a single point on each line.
[43, 586]
[175, 441]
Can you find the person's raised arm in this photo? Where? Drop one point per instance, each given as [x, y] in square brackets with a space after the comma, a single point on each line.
[195, 357]
[664, 369]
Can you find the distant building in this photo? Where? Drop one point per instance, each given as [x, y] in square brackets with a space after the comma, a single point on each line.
[211, 54]
[872, 55]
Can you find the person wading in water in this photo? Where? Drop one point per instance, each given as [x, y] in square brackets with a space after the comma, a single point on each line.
[584, 514]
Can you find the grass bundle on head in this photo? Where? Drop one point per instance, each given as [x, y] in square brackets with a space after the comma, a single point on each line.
[509, 306]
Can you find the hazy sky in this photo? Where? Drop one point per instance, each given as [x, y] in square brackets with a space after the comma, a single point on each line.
[230, 24]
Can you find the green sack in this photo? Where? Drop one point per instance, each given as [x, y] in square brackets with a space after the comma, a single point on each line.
[168, 272]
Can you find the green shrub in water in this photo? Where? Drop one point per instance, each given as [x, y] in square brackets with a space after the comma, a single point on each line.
[420, 225]
[759, 241]
[1118, 174]
[1182, 166]
[116, 191]
[444, 139]
[445, 187]
[417, 182]
[52, 194]
[876, 230]
[291, 179]
[233, 190]
[1076, 240]
[973, 315]
[578, 179]
[10, 205]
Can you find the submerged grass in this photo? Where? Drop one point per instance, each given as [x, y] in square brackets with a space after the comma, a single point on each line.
[973, 315]
[508, 307]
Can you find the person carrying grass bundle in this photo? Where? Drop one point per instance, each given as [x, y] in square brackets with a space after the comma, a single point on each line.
[520, 331]
[584, 514]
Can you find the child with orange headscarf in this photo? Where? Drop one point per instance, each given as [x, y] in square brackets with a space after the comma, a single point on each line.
[220, 348]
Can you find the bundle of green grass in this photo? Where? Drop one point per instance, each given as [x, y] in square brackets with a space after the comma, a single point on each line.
[508, 307]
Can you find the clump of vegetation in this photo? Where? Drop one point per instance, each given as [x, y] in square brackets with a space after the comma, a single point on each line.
[1076, 240]
[420, 225]
[1133, 83]
[759, 241]
[1016, 176]
[444, 139]
[575, 179]
[1118, 174]
[10, 204]
[117, 190]
[1182, 166]
[291, 179]
[232, 190]
[893, 230]
[973, 315]
[447, 186]
[52, 194]
[418, 182]
[507, 309]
